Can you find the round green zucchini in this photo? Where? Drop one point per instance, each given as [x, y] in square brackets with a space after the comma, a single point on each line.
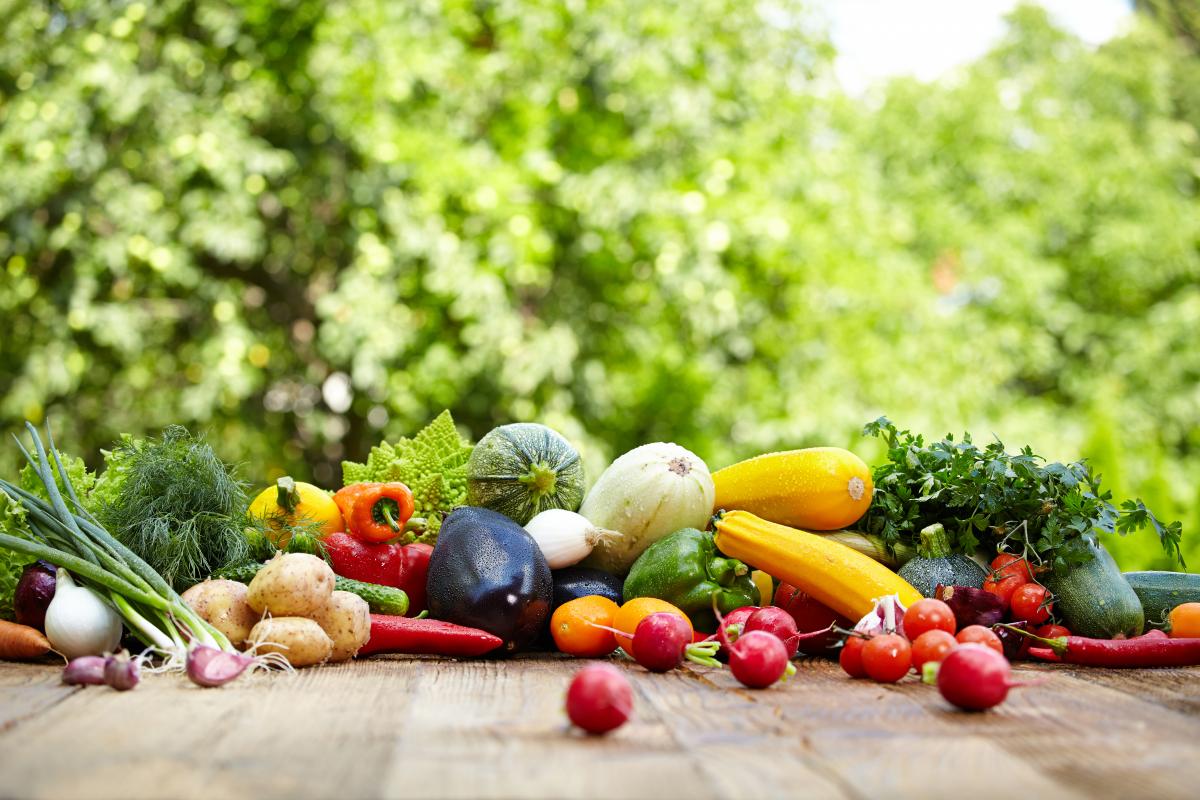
[1161, 591]
[1095, 600]
[523, 469]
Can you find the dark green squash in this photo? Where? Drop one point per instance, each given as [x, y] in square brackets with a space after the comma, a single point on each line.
[1095, 600]
[523, 469]
[935, 565]
[1161, 591]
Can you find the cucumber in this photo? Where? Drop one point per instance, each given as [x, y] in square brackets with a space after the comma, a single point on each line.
[381, 599]
[1095, 600]
[1162, 591]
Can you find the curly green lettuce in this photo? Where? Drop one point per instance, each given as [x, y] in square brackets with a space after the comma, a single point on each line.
[12, 563]
[433, 464]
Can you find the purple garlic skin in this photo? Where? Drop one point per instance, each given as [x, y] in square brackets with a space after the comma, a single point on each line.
[85, 671]
[121, 672]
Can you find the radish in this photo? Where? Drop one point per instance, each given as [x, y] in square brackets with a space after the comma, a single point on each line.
[663, 640]
[599, 698]
[774, 620]
[975, 677]
[758, 659]
[730, 626]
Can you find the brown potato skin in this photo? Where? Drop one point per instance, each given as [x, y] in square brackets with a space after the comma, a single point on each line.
[298, 639]
[222, 604]
[347, 621]
[291, 585]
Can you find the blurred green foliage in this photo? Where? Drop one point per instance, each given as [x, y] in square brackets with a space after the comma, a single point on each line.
[302, 226]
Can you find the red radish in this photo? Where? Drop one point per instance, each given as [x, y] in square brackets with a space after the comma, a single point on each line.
[660, 641]
[599, 698]
[778, 622]
[850, 656]
[975, 677]
[730, 626]
[758, 659]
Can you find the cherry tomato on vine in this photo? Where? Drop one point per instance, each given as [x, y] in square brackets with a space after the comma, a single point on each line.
[977, 634]
[850, 657]
[1007, 565]
[887, 658]
[1029, 604]
[928, 615]
[931, 647]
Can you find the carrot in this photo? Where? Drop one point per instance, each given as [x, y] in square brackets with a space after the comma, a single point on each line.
[21, 642]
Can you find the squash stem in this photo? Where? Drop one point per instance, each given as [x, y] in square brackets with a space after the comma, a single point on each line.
[934, 543]
[540, 479]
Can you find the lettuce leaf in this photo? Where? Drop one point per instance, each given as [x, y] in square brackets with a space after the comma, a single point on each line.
[12, 563]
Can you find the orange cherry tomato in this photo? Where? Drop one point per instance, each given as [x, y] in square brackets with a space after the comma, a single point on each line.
[1029, 603]
[574, 626]
[1185, 621]
[629, 615]
[887, 658]
[850, 656]
[928, 615]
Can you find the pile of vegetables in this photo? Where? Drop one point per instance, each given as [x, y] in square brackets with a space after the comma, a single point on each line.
[944, 563]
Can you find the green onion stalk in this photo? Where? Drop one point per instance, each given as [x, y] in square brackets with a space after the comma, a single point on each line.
[76, 541]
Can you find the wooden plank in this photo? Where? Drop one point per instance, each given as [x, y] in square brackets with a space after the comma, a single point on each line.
[27, 690]
[424, 727]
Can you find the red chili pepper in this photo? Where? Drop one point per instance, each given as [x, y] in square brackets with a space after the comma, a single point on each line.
[1143, 651]
[426, 636]
[380, 511]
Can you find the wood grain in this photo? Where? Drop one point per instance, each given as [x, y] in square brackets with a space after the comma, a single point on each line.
[424, 727]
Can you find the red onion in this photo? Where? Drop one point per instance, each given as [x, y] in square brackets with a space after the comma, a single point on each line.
[33, 594]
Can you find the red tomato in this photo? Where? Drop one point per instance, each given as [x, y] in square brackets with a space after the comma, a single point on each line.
[977, 634]
[1052, 631]
[1007, 565]
[1029, 604]
[931, 647]
[850, 657]
[1003, 588]
[887, 658]
[928, 615]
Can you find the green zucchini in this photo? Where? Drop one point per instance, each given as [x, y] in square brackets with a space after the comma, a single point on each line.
[523, 469]
[1162, 591]
[380, 599]
[935, 565]
[1095, 600]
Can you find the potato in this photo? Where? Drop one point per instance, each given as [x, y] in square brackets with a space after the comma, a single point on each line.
[223, 605]
[347, 620]
[291, 585]
[300, 640]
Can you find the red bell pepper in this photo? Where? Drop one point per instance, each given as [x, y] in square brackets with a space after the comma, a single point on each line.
[391, 634]
[401, 566]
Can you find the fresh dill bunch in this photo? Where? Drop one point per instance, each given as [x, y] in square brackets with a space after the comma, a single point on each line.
[176, 504]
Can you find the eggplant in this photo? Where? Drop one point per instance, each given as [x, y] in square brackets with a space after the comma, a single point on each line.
[33, 594]
[487, 572]
[571, 583]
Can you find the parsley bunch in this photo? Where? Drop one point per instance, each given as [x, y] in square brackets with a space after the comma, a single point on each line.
[996, 500]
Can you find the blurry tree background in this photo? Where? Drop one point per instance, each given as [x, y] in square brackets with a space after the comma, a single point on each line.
[302, 226]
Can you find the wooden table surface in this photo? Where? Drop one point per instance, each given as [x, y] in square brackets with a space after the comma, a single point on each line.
[423, 727]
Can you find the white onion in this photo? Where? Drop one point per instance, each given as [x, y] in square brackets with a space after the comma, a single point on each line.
[565, 538]
[79, 622]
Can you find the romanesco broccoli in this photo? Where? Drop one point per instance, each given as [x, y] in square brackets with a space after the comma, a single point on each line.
[433, 464]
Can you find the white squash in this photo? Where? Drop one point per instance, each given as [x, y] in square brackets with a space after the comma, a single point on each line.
[649, 492]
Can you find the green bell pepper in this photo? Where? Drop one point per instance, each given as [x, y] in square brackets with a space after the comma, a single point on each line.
[686, 570]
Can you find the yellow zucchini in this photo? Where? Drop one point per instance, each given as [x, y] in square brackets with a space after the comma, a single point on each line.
[845, 580]
[817, 488]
